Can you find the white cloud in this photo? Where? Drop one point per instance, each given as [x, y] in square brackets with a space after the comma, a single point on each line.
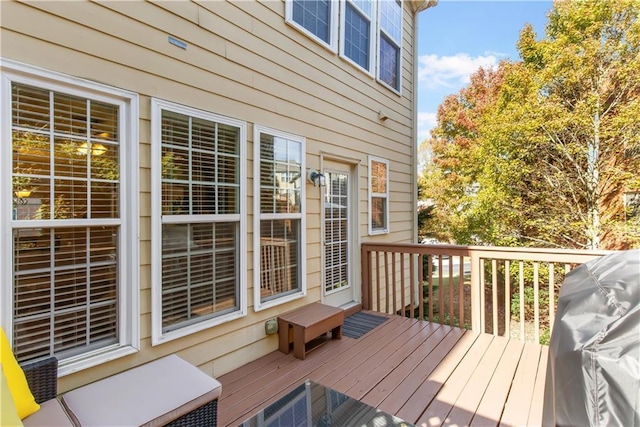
[451, 71]
[426, 122]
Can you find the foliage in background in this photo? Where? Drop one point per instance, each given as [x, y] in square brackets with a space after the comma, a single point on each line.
[540, 152]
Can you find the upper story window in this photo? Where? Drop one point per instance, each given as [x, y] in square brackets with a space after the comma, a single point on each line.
[198, 220]
[370, 33]
[378, 195]
[279, 214]
[71, 270]
[358, 32]
[390, 43]
[316, 18]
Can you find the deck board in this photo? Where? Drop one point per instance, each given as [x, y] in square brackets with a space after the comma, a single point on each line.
[425, 373]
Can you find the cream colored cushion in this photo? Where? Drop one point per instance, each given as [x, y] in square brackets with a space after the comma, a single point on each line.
[148, 395]
[51, 414]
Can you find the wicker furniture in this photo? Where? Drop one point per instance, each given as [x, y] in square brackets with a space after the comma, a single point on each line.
[86, 403]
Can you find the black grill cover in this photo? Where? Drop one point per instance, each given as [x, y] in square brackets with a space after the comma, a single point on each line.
[593, 375]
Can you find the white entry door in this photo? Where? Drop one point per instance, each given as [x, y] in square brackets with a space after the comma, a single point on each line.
[338, 235]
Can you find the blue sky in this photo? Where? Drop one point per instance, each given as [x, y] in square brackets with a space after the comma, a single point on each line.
[456, 37]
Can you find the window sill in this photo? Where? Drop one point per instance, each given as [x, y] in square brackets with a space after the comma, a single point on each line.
[278, 301]
[161, 338]
[89, 360]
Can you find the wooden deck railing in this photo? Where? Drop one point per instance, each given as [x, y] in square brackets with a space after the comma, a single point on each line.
[498, 290]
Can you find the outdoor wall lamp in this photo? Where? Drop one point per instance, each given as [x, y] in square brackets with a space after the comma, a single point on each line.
[316, 178]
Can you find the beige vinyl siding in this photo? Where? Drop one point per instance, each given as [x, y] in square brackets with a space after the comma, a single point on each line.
[244, 62]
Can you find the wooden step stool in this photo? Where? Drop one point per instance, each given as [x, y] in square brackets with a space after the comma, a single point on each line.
[307, 323]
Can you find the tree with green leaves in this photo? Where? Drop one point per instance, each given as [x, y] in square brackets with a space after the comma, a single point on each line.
[542, 153]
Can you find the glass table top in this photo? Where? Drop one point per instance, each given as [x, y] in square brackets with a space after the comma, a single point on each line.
[312, 404]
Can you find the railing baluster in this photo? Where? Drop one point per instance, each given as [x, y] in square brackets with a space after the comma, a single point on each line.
[552, 303]
[420, 291]
[450, 282]
[402, 284]
[412, 291]
[521, 277]
[430, 286]
[393, 281]
[536, 301]
[494, 295]
[365, 258]
[386, 282]
[483, 304]
[461, 293]
[507, 299]
[377, 254]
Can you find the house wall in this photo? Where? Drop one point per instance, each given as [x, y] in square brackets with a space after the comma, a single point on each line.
[245, 62]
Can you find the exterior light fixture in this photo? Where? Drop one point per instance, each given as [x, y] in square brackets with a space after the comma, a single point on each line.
[96, 149]
[316, 178]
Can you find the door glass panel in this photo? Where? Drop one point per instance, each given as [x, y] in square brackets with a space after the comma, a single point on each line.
[336, 226]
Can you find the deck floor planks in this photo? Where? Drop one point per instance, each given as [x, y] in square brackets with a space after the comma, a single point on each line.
[388, 365]
[492, 404]
[406, 371]
[518, 405]
[385, 360]
[535, 413]
[471, 395]
[342, 364]
[453, 386]
[414, 384]
[278, 382]
[425, 364]
[426, 392]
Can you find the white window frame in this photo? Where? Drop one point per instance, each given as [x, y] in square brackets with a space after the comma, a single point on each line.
[157, 335]
[128, 244]
[258, 217]
[385, 195]
[372, 34]
[398, 43]
[332, 45]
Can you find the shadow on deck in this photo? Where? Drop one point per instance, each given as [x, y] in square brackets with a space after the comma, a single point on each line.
[425, 373]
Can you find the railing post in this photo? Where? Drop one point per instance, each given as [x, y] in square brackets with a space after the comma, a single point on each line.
[476, 292]
[365, 266]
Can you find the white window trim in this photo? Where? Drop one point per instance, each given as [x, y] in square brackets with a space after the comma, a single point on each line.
[386, 230]
[257, 217]
[372, 36]
[157, 336]
[129, 329]
[333, 31]
[379, 31]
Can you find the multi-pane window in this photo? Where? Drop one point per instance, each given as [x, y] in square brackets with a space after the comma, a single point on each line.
[316, 18]
[198, 217]
[358, 32]
[378, 196]
[279, 215]
[390, 42]
[71, 237]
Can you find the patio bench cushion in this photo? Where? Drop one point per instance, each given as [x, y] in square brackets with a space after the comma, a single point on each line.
[51, 414]
[152, 394]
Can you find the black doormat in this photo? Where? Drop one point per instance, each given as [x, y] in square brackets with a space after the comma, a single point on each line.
[360, 323]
